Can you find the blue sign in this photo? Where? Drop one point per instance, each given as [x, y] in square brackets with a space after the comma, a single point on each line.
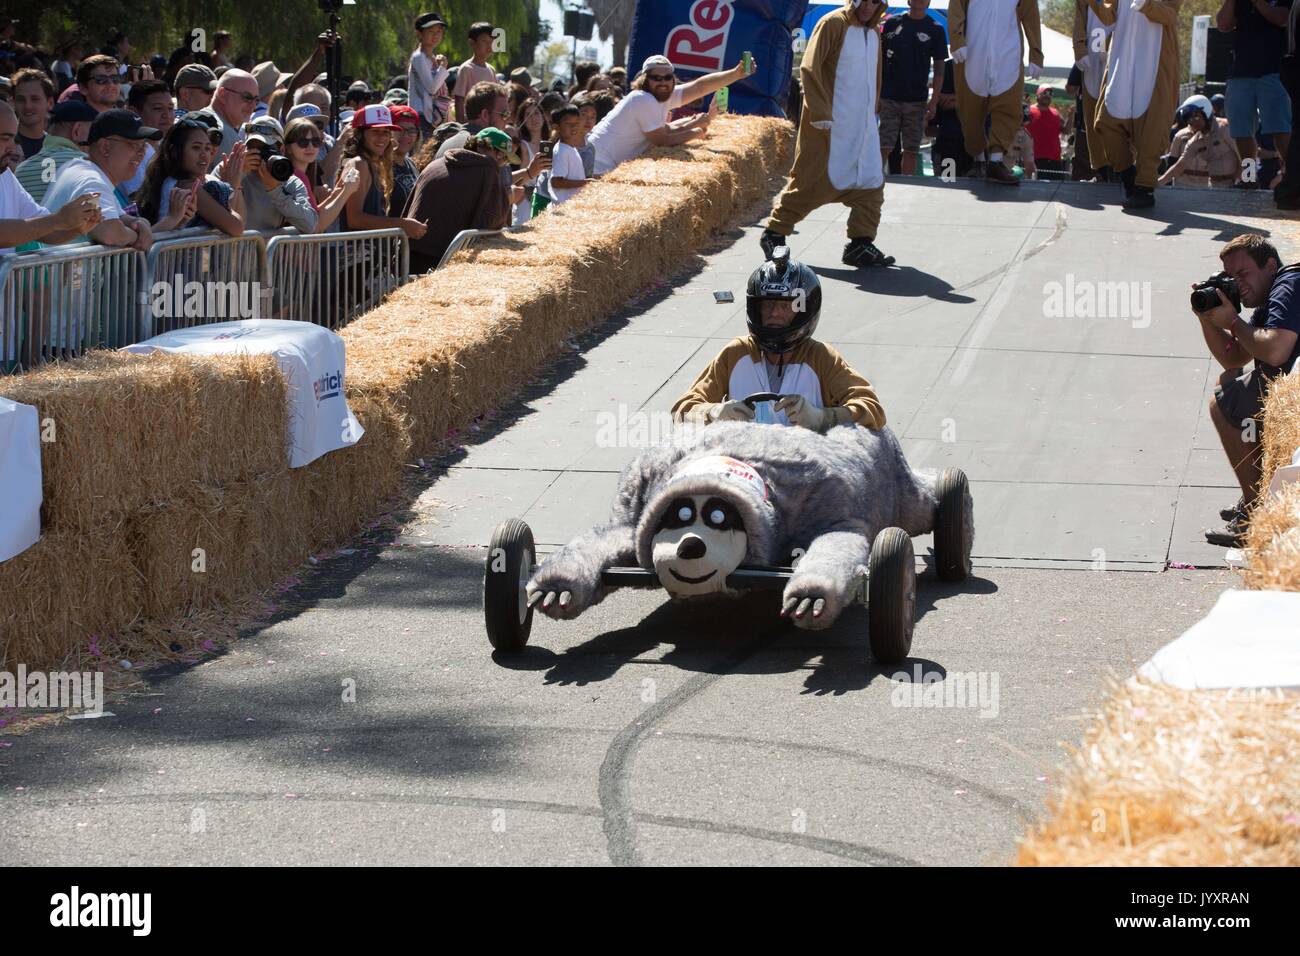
[705, 36]
[818, 10]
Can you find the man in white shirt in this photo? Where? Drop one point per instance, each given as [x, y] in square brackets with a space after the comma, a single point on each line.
[426, 77]
[641, 118]
[117, 142]
[24, 220]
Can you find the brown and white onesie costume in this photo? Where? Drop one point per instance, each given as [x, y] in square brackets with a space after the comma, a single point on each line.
[989, 77]
[837, 153]
[1140, 87]
[1091, 38]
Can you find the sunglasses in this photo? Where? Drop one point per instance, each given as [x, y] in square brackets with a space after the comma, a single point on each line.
[312, 142]
[246, 97]
[661, 77]
[104, 80]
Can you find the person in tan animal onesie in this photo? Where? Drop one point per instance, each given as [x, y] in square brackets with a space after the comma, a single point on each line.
[1139, 92]
[1091, 38]
[837, 154]
[988, 55]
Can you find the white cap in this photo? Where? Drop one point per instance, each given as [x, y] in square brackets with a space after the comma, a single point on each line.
[657, 60]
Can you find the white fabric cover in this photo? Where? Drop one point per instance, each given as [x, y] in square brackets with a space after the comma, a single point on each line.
[313, 361]
[20, 478]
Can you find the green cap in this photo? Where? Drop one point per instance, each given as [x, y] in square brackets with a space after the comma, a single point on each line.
[499, 141]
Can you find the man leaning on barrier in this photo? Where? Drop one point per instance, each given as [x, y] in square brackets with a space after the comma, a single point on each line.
[117, 142]
[22, 219]
[1252, 274]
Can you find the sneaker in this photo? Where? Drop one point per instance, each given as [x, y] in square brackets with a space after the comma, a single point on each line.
[769, 240]
[1231, 535]
[998, 173]
[862, 253]
[1236, 513]
[1142, 197]
[1226, 537]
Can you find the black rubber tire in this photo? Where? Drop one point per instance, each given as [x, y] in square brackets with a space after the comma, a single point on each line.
[891, 606]
[951, 542]
[510, 560]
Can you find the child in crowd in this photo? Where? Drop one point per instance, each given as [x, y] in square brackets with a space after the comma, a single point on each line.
[567, 172]
[590, 117]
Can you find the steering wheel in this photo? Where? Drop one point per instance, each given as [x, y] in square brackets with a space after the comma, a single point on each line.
[751, 400]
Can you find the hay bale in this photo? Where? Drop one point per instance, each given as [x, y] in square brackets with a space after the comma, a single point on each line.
[338, 493]
[212, 546]
[1273, 542]
[1281, 423]
[1168, 777]
[68, 586]
[129, 430]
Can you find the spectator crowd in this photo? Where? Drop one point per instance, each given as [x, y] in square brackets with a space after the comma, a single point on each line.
[105, 146]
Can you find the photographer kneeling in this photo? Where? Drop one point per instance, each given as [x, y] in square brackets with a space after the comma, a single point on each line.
[1252, 275]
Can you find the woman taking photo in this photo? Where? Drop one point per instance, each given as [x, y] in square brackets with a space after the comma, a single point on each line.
[178, 192]
[302, 142]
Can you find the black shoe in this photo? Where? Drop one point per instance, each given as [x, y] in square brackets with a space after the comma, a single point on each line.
[997, 172]
[1105, 175]
[1142, 197]
[1237, 513]
[1128, 179]
[976, 170]
[862, 253]
[770, 240]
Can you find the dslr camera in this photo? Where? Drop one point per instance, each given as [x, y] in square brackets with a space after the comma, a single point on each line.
[1205, 297]
[277, 165]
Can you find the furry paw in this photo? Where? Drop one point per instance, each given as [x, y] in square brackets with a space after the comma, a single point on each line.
[558, 593]
[813, 601]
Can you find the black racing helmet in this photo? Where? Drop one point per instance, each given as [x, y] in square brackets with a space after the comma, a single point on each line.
[783, 279]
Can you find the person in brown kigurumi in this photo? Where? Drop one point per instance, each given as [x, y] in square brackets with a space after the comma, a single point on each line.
[990, 78]
[837, 153]
[1091, 37]
[1139, 92]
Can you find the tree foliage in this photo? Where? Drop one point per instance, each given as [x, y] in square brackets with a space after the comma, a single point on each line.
[1059, 15]
[378, 34]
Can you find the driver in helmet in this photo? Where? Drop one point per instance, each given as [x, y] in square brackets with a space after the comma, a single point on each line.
[818, 388]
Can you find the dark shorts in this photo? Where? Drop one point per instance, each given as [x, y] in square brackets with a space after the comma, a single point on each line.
[1242, 398]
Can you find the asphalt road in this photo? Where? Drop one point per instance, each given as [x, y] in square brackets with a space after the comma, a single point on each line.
[369, 722]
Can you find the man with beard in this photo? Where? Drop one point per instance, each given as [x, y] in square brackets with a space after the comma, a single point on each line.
[641, 117]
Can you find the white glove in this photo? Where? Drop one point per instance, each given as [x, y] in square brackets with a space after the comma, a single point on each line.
[1035, 71]
[1081, 63]
[822, 124]
[730, 412]
[959, 55]
[802, 412]
[1138, 4]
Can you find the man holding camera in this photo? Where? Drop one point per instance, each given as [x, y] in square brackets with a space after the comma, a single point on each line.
[1253, 275]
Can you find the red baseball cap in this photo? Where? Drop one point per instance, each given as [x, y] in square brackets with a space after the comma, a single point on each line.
[404, 115]
[373, 117]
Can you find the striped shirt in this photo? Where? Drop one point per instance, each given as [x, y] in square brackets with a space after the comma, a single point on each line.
[38, 171]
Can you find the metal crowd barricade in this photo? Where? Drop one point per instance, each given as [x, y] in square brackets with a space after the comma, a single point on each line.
[463, 240]
[58, 303]
[333, 277]
[201, 276]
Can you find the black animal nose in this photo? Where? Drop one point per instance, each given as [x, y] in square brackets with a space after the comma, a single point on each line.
[691, 546]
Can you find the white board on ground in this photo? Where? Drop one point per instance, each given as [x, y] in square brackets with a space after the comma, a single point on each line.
[312, 360]
[20, 478]
[1249, 639]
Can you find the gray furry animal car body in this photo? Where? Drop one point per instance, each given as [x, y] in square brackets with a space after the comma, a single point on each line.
[758, 494]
